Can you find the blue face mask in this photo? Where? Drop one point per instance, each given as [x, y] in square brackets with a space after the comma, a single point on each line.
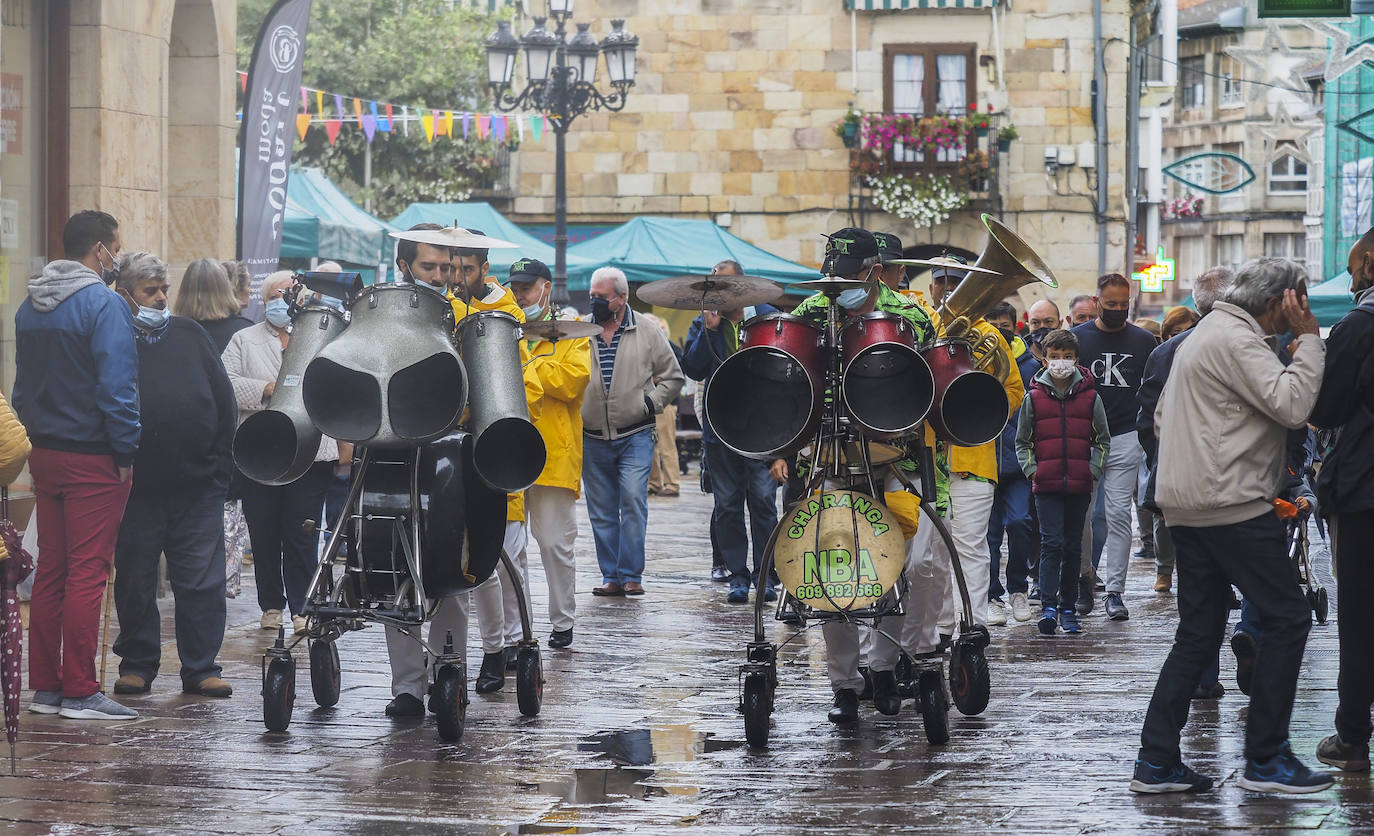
[533, 312]
[852, 298]
[151, 318]
[278, 313]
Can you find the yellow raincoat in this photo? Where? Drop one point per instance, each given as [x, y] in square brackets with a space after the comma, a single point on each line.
[563, 370]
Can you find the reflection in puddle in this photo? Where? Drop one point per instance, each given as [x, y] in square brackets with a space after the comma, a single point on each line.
[664, 744]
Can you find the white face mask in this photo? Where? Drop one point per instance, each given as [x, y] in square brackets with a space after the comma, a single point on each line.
[1060, 369]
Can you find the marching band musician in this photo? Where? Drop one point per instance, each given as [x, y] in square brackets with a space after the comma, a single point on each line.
[853, 254]
[563, 369]
[433, 267]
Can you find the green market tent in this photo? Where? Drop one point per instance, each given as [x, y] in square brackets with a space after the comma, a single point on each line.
[321, 222]
[479, 215]
[656, 248]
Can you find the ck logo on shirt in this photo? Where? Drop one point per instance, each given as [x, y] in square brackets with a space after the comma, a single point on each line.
[1108, 369]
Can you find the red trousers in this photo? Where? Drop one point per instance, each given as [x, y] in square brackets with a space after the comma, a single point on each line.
[80, 503]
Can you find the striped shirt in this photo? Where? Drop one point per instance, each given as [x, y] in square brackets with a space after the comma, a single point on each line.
[605, 352]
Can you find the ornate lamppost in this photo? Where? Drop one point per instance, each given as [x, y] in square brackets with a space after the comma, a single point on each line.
[561, 84]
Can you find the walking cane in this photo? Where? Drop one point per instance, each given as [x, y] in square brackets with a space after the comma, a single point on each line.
[105, 626]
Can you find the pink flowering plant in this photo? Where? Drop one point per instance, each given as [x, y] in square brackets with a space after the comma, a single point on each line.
[883, 131]
[1188, 206]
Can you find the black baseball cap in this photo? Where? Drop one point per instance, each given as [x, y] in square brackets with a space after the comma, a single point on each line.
[848, 251]
[529, 270]
[889, 246]
[950, 271]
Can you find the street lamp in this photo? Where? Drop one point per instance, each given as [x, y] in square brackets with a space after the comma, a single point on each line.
[561, 84]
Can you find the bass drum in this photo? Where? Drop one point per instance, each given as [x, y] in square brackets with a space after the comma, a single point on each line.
[462, 521]
[839, 551]
[765, 399]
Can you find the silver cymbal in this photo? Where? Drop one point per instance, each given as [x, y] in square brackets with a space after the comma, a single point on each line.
[560, 329]
[940, 261]
[452, 236]
[698, 292]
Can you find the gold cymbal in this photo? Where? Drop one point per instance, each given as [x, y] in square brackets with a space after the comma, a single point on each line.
[940, 261]
[560, 329]
[703, 292]
[452, 236]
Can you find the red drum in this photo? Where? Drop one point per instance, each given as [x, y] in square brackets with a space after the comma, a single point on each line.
[970, 406]
[765, 399]
[888, 388]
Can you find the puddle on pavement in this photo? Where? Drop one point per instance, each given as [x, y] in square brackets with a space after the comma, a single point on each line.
[659, 745]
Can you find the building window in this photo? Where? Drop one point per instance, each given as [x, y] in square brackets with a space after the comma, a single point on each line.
[1193, 172]
[1287, 175]
[1289, 245]
[1192, 77]
[1228, 85]
[927, 79]
[1230, 251]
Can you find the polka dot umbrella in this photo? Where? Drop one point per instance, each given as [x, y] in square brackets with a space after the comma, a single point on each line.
[14, 568]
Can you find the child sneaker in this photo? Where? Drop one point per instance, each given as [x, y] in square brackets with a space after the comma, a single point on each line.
[1283, 773]
[1068, 621]
[1048, 622]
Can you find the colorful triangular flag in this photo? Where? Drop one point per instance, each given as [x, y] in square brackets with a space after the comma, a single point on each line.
[305, 99]
[338, 106]
[358, 108]
[319, 102]
[448, 122]
[467, 123]
[498, 128]
[483, 125]
[427, 122]
[331, 127]
[537, 126]
[243, 82]
[383, 122]
[369, 123]
[302, 124]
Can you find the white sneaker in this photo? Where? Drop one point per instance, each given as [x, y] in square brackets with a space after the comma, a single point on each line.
[298, 623]
[96, 707]
[271, 620]
[997, 613]
[1020, 608]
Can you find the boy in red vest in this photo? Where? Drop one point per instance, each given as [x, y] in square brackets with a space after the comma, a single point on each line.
[1062, 442]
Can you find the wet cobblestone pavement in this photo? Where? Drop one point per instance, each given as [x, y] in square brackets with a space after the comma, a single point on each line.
[639, 731]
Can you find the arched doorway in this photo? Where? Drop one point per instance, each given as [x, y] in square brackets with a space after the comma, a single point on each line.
[195, 90]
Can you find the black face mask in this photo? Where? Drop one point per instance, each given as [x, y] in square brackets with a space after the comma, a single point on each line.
[1039, 334]
[1114, 318]
[601, 310]
[1007, 334]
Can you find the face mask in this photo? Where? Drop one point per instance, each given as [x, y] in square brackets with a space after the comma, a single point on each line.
[1039, 334]
[533, 312]
[278, 313]
[1113, 318]
[109, 275]
[1007, 334]
[601, 310]
[1060, 369]
[852, 298]
[151, 318]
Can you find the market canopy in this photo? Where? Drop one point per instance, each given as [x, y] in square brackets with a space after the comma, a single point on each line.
[479, 215]
[657, 248]
[321, 222]
[1329, 300]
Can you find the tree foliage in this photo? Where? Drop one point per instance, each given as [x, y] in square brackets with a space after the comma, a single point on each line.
[416, 52]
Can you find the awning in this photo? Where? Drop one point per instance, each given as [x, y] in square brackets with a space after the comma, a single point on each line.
[900, 5]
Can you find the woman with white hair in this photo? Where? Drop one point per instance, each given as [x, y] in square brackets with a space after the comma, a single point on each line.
[284, 554]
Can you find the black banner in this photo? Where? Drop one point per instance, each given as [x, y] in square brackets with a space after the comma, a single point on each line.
[266, 135]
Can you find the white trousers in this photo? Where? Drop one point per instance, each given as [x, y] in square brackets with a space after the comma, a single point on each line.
[925, 595]
[970, 508]
[508, 616]
[554, 526]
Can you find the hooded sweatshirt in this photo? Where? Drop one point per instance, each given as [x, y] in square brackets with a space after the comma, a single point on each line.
[76, 368]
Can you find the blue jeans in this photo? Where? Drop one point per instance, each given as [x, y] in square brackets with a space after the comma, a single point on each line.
[1099, 523]
[735, 482]
[615, 475]
[1010, 512]
[1061, 547]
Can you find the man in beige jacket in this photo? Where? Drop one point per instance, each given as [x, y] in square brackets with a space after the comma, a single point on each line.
[1222, 420]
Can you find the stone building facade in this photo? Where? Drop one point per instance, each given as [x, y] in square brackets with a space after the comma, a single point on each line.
[736, 101]
[122, 106]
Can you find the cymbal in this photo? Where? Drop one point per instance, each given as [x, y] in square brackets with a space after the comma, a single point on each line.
[698, 292]
[452, 236]
[560, 329]
[941, 261]
[831, 284]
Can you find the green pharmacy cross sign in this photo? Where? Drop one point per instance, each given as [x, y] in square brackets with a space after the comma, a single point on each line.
[1152, 278]
[1304, 8]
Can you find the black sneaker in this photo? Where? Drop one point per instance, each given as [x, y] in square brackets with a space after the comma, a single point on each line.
[512, 657]
[886, 697]
[1116, 610]
[404, 705]
[846, 708]
[492, 675]
[560, 638]
[867, 693]
[1348, 757]
[1283, 773]
[1175, 777]
[1243, 645]
[720, 574]
[1085, 595]
[1215, 691]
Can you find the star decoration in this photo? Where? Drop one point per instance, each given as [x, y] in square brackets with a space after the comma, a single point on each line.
[1277, 69]
[1340, 58]
[1284, 131]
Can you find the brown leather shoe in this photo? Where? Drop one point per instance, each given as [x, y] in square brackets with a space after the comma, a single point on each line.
[1163, 582]
[132, 683]
[608, 590]
[210, 686]
[634, 588]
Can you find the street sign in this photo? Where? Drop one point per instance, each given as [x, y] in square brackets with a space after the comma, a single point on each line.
[1304, 8]
[1152, 278]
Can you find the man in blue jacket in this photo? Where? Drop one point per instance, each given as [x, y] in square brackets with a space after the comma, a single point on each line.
[735, 480]
[76, 390]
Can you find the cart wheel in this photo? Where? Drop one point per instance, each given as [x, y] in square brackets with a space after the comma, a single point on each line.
[529, 681]
[278, 694]
[758, 708]
[969, 681]
[930, 697]
[324, 673]
[1320, 604]
[450, 703]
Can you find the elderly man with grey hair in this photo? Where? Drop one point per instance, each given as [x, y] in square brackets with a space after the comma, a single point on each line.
[176, 505]
[634, 376]
[284, 553]
[1223, 421]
